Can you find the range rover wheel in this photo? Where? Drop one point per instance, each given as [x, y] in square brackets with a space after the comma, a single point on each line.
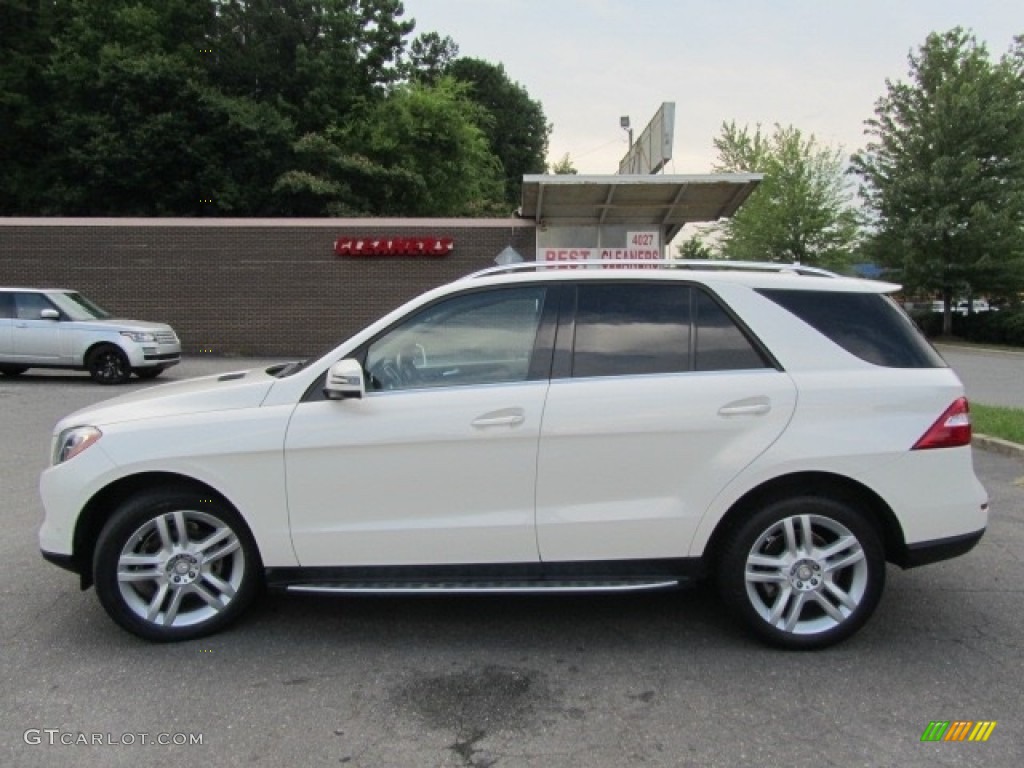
[803, 573]
[173, 565]
[108, 365]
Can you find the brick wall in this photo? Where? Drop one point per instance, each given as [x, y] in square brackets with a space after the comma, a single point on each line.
[246, 287]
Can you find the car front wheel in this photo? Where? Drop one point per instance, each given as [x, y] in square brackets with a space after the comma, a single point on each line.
[108, 365]
[803, 573]
[175, 565]
[13, 370]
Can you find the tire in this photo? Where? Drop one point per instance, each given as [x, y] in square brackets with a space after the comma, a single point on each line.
[13, 370]
[148, 373]
[803, 573]
[172, 565]
[108, 365]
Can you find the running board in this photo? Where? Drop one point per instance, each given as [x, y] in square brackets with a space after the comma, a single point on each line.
[474, 588]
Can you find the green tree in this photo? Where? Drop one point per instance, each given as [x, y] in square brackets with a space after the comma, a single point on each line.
[696, 247]
[27, 28]
[518, 132]
[429, 57]
[420, 152]
[801, 212]
[250, 108]
[943, 172]
[140, 130]
[563, 167]
[313, 60]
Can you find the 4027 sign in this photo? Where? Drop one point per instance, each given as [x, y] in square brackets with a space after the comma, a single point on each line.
[394, 246]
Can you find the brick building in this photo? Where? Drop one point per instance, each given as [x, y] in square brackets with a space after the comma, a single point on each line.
[281, 287]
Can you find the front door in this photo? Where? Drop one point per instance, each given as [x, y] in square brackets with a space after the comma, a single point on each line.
[34, 339]
[437, 463]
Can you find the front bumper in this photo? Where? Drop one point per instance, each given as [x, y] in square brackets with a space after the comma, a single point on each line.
[148, 355]
[67, 562]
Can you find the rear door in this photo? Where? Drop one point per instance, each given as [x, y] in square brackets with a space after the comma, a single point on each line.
[658, 400]
[6, 324]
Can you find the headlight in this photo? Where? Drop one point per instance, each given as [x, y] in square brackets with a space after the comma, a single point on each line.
[72, 442]
[139, 337]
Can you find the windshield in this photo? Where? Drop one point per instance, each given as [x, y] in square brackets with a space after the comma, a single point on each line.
[77, 307]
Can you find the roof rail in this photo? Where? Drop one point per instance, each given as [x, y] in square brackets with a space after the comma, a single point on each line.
[694, 264]
[753, 266]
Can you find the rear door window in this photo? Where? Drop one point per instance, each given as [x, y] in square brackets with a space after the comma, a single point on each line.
[721, 345]
[626, 329]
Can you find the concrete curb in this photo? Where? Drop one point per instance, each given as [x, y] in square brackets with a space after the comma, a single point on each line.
[998, 445]
[978, 348]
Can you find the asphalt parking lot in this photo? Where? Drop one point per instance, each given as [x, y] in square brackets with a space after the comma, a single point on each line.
[656, 680]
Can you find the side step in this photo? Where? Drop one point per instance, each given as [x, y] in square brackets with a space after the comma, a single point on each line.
[538, 586]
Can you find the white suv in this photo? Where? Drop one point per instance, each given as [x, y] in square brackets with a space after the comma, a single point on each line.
[58, 328]
[540, 429]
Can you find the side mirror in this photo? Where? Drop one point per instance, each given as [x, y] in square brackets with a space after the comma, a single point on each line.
[49, 314]
[345, 380]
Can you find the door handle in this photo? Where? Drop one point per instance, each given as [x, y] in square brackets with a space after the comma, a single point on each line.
[754, 406]
[506, 418]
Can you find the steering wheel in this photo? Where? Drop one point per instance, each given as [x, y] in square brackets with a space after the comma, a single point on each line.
[386, 375]
[408, 361]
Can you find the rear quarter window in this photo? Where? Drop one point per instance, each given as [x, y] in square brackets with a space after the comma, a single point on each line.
[868, 325]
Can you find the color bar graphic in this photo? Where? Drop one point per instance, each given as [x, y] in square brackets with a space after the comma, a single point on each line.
[958, 730]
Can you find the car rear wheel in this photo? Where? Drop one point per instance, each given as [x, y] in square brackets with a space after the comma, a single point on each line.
[108, 365]
[803, 573]
[13, 370]
[175, 565]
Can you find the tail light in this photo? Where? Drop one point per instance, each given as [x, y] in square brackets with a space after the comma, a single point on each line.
[951, 430]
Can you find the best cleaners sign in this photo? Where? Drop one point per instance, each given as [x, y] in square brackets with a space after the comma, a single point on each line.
[641, 246]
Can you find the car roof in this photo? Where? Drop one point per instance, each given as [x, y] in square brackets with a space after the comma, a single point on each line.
[750, 274]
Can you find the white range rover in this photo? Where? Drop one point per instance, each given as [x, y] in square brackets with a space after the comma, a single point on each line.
[785, 432]
[57, 328]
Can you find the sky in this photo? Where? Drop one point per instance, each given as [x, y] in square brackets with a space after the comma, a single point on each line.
[818, 65]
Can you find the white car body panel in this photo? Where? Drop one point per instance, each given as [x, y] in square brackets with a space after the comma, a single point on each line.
[42, 341]
[63, 494]
[225, 391]
[628, 465]
[210, 430]
[861, 425]
[422, 476]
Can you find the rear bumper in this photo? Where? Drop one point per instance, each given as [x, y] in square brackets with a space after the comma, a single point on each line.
[925, 552]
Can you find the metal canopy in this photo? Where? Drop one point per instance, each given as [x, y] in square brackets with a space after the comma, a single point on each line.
[668, 202]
